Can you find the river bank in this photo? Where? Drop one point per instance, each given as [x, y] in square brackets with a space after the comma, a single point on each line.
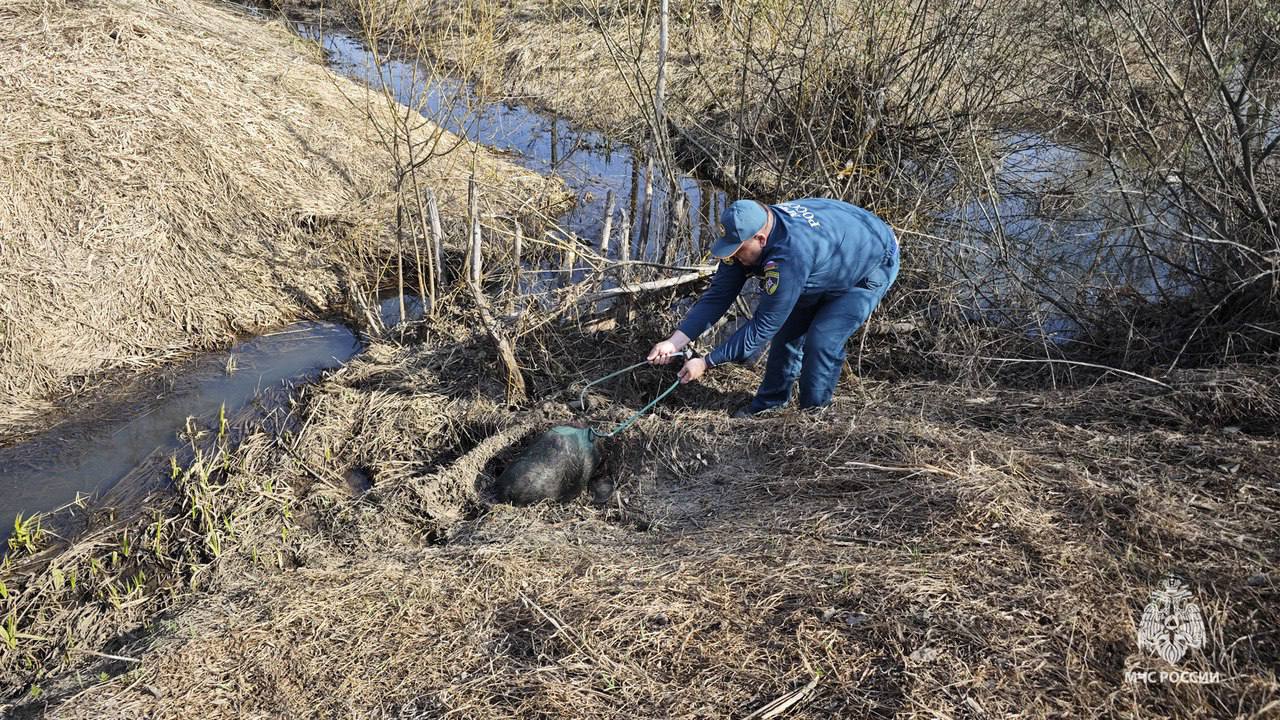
[182, 174]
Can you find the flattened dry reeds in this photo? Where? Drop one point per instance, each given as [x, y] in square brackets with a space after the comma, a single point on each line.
[918, 550]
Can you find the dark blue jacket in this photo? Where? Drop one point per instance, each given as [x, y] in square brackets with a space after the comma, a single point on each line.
[816, 246]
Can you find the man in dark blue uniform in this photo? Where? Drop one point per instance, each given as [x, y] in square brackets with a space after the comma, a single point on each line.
[824, 266]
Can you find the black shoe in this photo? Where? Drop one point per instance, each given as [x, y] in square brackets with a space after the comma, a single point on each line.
[747, 411]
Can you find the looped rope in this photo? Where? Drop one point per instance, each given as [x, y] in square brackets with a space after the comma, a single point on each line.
[582, 398]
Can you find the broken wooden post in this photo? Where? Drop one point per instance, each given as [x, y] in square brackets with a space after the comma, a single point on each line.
[474, 212]
[608, 225]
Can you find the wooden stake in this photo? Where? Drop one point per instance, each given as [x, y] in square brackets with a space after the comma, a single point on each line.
[437, 236]
[624, 243]
[608, 224]
[473, 211]
[416, 230]
[648, 204]
[624, 236]
[427, 285]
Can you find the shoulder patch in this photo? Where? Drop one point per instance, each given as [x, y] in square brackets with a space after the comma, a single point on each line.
[772, 277]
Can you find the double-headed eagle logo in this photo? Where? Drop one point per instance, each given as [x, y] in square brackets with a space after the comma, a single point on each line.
[1171, 624]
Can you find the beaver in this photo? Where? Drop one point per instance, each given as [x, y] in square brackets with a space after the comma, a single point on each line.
[558, 465]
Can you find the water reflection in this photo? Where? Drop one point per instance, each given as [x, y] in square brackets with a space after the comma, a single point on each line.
[91, 452]
[590, 163]
[1055, 228]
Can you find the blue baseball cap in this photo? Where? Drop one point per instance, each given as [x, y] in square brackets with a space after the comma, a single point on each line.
[741, 220]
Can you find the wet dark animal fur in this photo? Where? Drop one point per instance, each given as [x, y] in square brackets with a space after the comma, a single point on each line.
[557, 466]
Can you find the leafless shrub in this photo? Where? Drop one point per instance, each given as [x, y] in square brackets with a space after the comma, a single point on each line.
[1189, 127]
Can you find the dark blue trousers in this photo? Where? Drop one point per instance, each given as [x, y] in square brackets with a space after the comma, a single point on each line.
[810, 344]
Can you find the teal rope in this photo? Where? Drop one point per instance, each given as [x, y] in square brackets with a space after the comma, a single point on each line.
[582, 400]
[632, 420]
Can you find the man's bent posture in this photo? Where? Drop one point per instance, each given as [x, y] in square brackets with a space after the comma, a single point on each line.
[824, 265]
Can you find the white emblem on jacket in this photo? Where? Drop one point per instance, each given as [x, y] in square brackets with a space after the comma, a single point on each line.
[800, 211]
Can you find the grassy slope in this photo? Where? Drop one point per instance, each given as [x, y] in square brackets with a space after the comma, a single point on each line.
[176, 172]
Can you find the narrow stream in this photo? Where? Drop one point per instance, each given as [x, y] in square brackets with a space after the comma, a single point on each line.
[90, 453]
[590, 164]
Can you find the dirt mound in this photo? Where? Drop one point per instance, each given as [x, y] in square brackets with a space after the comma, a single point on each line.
[176, 172]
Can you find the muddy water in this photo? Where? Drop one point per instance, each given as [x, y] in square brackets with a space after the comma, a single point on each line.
[134, 433]
[590, 163]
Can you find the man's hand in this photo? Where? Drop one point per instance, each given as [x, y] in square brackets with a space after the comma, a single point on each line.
[662, 353]
[692, 370]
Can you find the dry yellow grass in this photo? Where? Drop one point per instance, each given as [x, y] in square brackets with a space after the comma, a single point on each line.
[175, 173]
[918, 551]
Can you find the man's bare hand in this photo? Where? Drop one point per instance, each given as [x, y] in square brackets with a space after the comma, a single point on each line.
[662, 353]
[692, 370]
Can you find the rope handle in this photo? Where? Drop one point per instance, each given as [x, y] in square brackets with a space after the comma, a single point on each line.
[582, 397]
